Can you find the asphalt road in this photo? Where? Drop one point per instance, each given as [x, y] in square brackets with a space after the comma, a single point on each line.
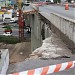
[58, 9]
[15, 30]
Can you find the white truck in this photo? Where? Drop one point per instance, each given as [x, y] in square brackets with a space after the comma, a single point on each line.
[9, 16]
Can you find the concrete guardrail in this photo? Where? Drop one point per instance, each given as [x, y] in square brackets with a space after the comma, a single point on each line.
[65, 25]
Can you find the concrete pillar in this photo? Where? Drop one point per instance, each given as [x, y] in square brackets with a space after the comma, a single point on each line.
[35, 33]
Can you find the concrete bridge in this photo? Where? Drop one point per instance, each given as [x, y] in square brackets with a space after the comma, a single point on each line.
[42, 24]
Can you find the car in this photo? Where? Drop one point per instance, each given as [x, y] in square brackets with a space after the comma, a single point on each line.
[4, 26]
[7, 34]
[6, 20]
[14, 20]
[38, 3]
[8, 31]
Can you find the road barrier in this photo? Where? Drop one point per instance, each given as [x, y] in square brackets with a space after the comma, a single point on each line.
[67, 6]
[48, 69]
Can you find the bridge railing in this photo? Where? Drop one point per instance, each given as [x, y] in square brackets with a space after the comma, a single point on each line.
[65, 25]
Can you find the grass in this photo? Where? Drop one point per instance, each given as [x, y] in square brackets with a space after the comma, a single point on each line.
[9, 39]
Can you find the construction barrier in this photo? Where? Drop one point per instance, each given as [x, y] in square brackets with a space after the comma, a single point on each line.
[48, 69]
[67, 6]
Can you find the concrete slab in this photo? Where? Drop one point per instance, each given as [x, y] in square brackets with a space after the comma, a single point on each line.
[4, 61]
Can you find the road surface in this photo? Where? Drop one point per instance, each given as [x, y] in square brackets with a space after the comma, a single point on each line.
[38, 63]
[58, 9]
[15, 30]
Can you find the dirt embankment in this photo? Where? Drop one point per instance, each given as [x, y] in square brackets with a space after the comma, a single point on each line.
[17, 52]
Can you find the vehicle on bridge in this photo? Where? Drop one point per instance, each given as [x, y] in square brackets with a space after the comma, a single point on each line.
[47, 1]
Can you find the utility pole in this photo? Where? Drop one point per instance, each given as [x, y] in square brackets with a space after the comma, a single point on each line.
[20, 21]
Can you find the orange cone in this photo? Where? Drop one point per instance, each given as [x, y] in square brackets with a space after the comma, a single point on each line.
[67, 6]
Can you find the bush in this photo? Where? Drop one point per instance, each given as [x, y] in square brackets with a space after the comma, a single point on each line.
[9, 39]
[8, 29]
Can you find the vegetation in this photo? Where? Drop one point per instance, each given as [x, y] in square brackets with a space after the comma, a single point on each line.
[9, 39]
[8, 29]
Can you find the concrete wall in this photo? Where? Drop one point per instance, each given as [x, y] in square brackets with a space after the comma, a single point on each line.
[47, 31]
[64, 27]
[4, 61]
[35, 32]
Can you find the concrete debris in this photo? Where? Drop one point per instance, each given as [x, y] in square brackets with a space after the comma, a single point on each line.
[50, 55]
[21, 53]
[33, 56]
[54, 55]
[45, 55]
[52, 47]
[47, 40]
